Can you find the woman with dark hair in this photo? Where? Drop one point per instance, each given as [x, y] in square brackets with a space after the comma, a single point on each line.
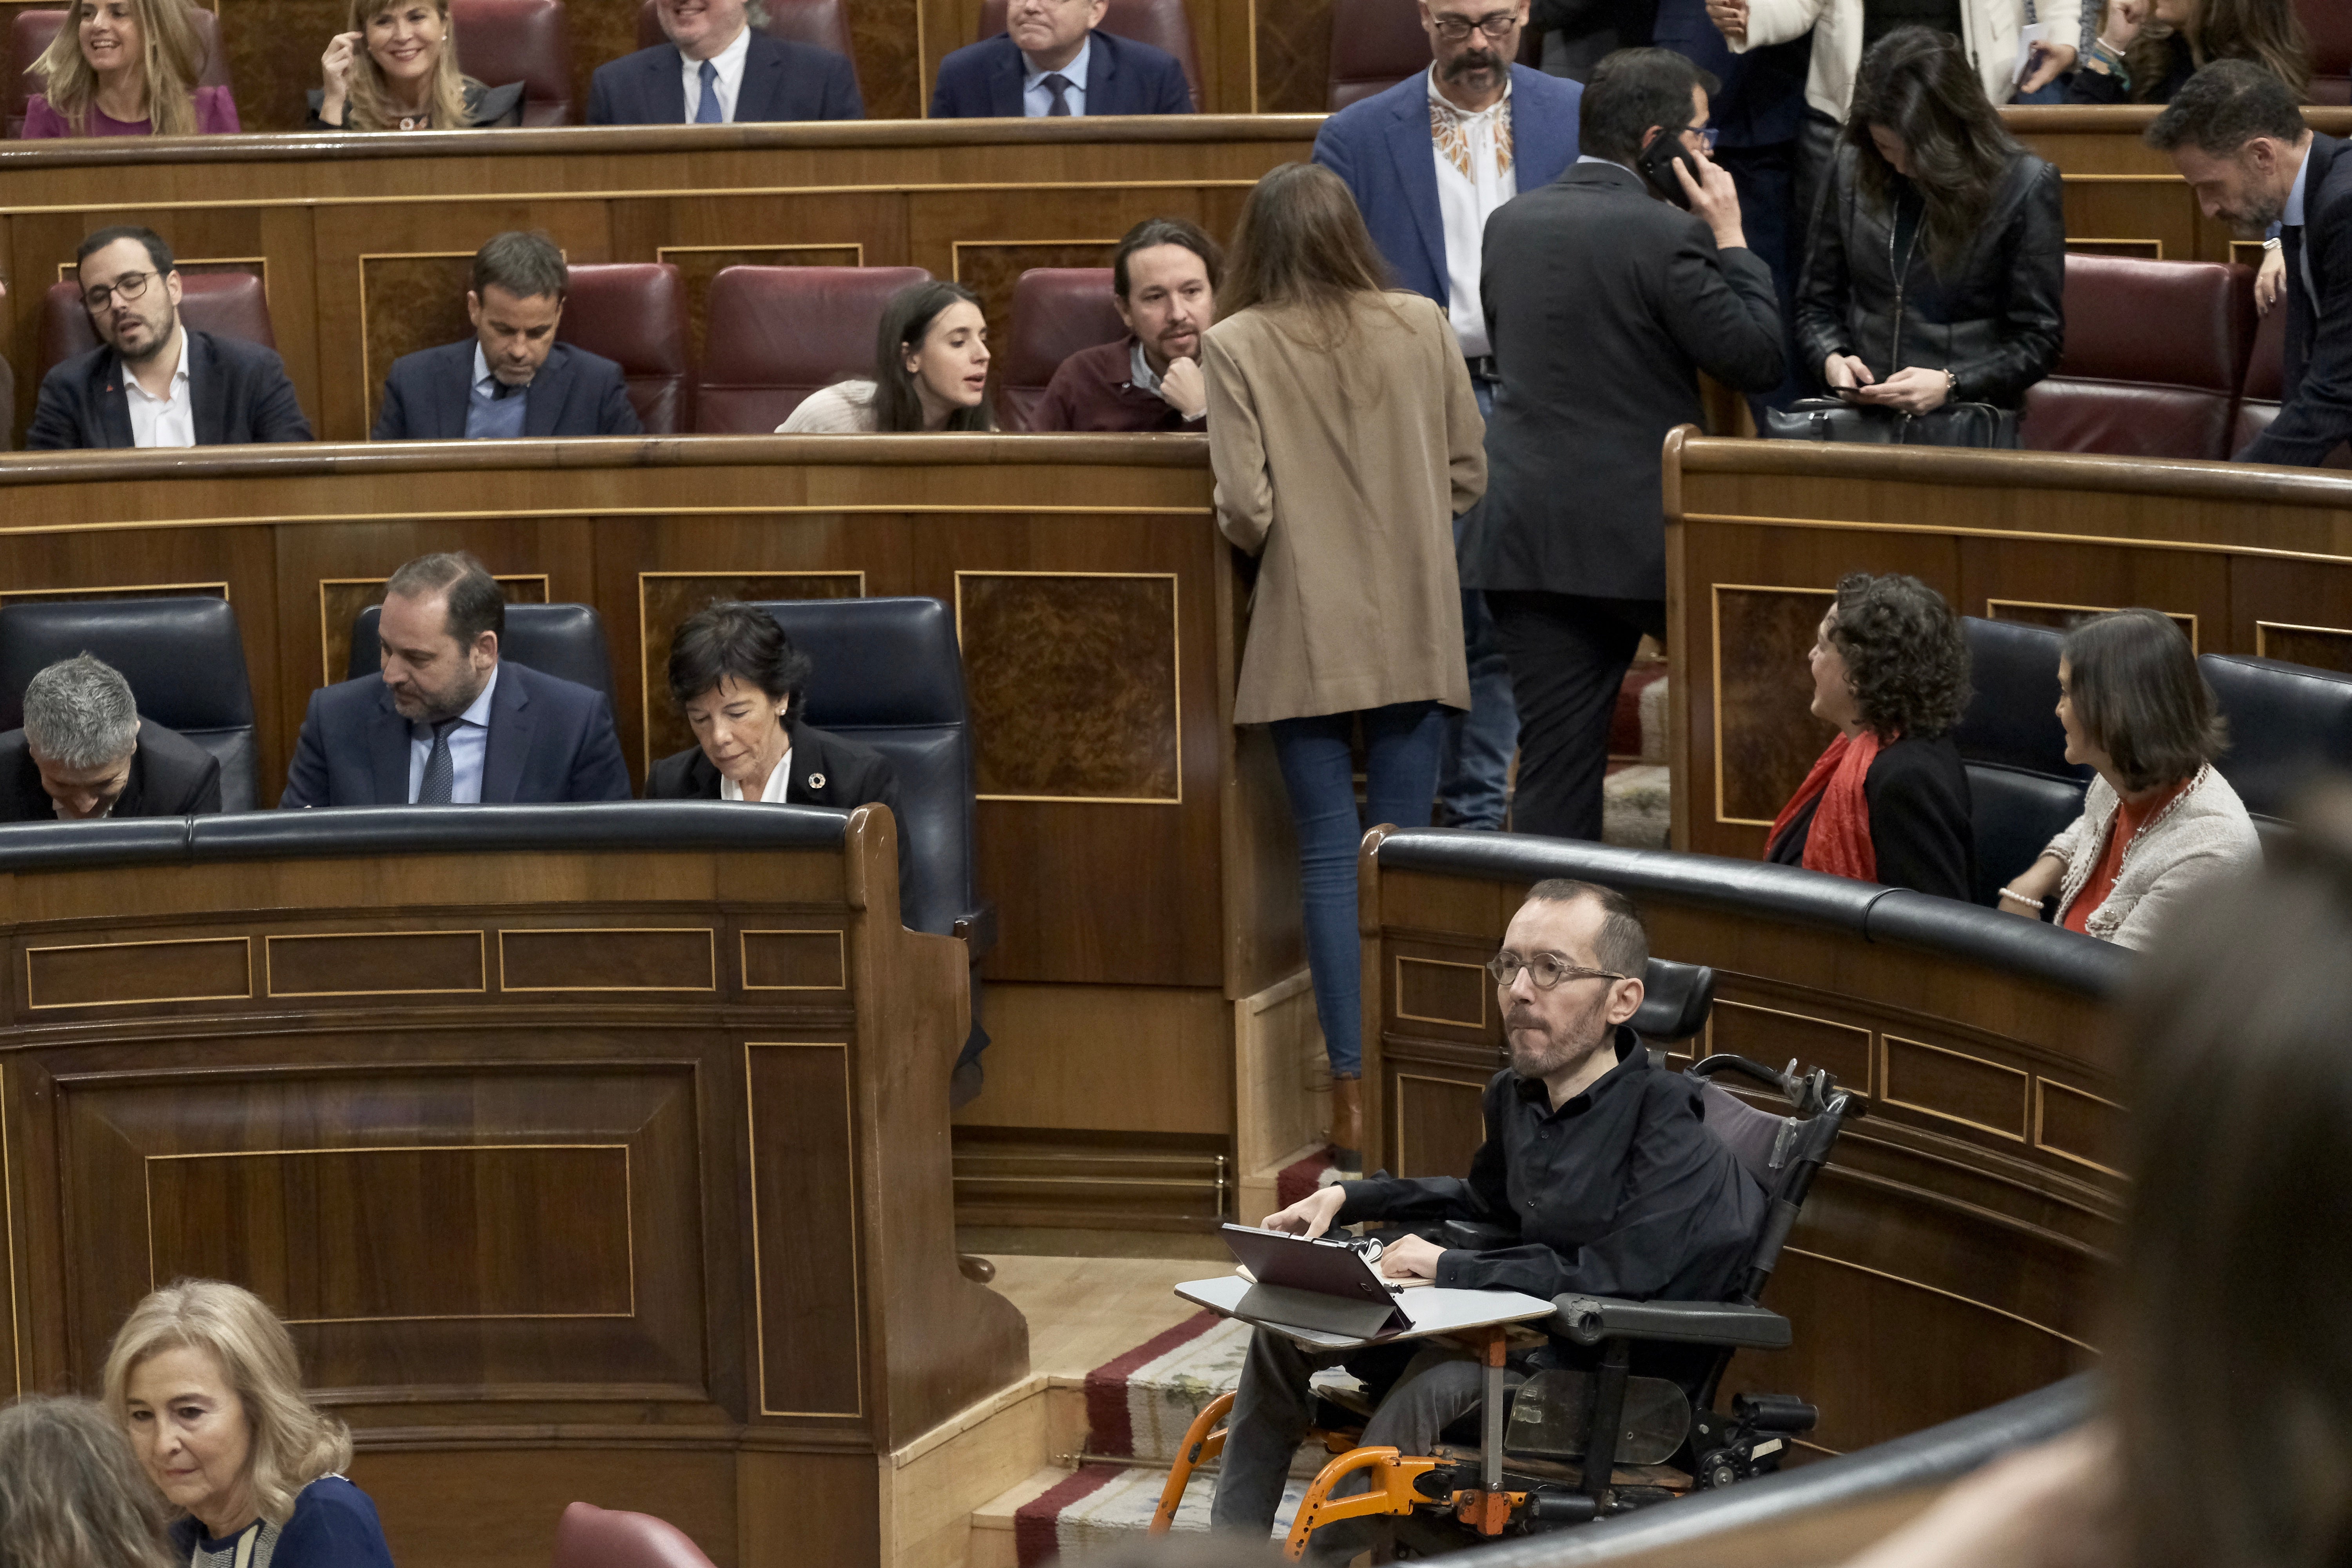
[71, 1492]
[2147, 49]
[395, 69]
[2158, 823]
[930, 371]
[1889, 801]
[1345, 440]
[1936, 267]
[126, 68]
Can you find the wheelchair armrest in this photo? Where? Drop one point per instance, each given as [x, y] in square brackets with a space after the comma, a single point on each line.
[1590, 1320]
[977, 931]
[1475, 1236]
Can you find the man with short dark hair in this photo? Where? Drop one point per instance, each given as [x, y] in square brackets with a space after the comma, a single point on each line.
[1051, 62]
[85, 754]
[448, 722]
[1605, 301]
[721, 66]
[152, 381]
[1597, 1161]
[2237, 137]
[1164, 278]
[512, 379]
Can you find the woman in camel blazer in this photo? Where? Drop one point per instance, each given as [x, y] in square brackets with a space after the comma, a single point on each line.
[1345, 440]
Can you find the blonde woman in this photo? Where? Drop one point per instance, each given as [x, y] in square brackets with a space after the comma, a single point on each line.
[396, 69]
[204, 1378]
[126, 68]
[70, 1493]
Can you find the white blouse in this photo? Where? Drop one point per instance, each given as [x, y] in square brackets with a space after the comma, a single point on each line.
[845, 408]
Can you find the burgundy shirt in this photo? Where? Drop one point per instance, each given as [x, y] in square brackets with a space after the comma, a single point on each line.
[1092, 391]
[216, 116]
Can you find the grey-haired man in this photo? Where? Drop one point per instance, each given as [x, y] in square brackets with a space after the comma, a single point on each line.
[84, 754]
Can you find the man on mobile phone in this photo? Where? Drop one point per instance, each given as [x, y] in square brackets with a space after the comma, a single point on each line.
[1605, 301]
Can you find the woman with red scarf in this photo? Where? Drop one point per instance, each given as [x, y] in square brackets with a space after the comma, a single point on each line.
[1889, 801]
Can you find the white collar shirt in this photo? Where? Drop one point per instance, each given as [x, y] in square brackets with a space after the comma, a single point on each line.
[1476, 173]
[773, 793]
[1037, 98]
[730, 85]
[469, 749]
[166, 421]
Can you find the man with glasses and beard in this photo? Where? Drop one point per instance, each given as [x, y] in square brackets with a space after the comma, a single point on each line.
[152, 381]
[1598, 1161]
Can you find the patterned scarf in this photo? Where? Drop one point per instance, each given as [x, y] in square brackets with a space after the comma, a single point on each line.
[1445, 128]
[1838, 842]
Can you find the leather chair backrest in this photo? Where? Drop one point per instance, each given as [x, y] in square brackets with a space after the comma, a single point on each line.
[888, 673]
[591, 1537]
[2329, 25]
[1375, 43]
[566, 641]
[823, 24]
[2012, 719]
[2013, 814]
[778, 333]
[529, 41]
[30, 33]
[1675, 1000]
[2287, 723]
[2266, 383]
[1164, 25]
[634, 312]
[2122, 389]
[1057, 312]
[184, 657]
[226, 304]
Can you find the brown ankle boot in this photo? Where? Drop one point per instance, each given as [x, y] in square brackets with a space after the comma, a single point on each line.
[1347, 1123]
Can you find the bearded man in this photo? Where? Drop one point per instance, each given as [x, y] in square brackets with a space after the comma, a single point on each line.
[1594, 1160]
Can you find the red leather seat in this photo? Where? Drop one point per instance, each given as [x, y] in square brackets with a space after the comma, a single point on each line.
[226, 304]
[1057, 312]
[634, 312]
[30, 33]
[1165, 24]
[2156, 355]
[591, 1537]
[2329, 23]
[777, 333]
[1375, 43]
[529, 41]
[823, 23]
[2266, 383]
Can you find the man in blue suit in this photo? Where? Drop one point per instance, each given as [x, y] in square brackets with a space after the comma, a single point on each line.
[1429, 161]
[1049, 61]
[511, 378]
[448, 723]
[720, 68]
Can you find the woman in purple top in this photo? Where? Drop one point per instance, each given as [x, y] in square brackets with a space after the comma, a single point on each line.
[127, 67]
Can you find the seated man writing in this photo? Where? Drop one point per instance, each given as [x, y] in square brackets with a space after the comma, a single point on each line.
[1596, 1159]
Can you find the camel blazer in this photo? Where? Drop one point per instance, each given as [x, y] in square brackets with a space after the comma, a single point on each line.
[1343, 471]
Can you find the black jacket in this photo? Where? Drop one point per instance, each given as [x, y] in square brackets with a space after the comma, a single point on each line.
[781, 80]
[171, 776]
[576, 393]
[2315, 415]
[239, 389]
[487, 108]
[1919, 820]
[1603, 304]
[2087, 86]
[1997, 322]
[827, 770]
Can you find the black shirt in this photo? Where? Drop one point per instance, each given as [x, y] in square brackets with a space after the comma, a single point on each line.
[1920, 820]
[1621, 1192]
[1880, 18]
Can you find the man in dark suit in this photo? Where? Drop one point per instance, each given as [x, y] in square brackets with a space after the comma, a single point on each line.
[2237, 137]
[448, 723]
[1049, 61]
[84, 752]
[720, 68]
[511, 378]
[152, 382]
[1604, 301]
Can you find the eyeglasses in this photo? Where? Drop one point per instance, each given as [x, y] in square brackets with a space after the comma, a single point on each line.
[130, 285]
[1706, 137]
[1546, 969]
[1498, 26]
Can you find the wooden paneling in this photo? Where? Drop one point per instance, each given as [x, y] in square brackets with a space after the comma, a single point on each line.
[803, 1229]
[1061, 1056]
[116, 974]
[631, 958]
[376, 964]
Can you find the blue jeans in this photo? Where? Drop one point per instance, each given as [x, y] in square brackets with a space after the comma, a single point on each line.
[1474, 777]
[1402, 743]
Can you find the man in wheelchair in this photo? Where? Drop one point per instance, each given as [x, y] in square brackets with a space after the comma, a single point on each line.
[1597, 1178]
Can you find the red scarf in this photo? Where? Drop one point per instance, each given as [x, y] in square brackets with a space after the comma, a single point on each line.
[1840, 840]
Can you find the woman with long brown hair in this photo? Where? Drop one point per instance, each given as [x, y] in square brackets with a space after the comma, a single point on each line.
[126, 68]
[1345, 440]
[2147, 49]
[395, 69]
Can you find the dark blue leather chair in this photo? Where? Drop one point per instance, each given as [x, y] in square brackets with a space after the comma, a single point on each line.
[2021, 789]
[2288, 723]
[184, 657]
[566, 641]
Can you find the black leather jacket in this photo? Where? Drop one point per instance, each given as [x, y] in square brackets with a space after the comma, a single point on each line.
[1997, 323]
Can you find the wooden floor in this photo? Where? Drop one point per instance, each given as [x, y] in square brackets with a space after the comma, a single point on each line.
[1083, 1312]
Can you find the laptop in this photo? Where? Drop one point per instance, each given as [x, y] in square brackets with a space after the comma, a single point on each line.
[1326, 1286]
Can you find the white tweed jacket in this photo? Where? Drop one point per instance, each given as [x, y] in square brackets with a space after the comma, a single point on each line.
[2202, 838]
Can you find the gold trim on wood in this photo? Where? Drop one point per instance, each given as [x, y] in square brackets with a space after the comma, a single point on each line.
[2261, 642]
[1715, 654]
[857, 1286]
[1404, 959]
[269, 979]
[8, 1232]
[1992, 604]
[2075, 239]
[664, 252]
[956, 247]
[367, 373]
[704, 932]
[2042, 1088]
[2024, 1087]
[243, 995]
[1868, 1063]
[522, 513]
[1942, 529]
[1396, 1109]
[1948, 1295]
[38, 595]
[743, 956]
[326, 655]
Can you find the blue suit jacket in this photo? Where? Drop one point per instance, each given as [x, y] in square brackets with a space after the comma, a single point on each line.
[1380, 147]
[1760, 101]
[780, 81]
[550, 740]
[576, 393]
[1123, 77]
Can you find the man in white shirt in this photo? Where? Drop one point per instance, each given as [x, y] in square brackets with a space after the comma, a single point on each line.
[721, 68]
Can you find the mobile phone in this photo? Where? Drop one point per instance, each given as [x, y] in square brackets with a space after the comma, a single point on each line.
[1657, 163]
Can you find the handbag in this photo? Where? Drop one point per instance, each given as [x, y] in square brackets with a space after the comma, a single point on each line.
[1954, 425]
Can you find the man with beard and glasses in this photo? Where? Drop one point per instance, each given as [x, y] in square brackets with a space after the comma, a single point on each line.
[448, 722]
[1597, 1161]
[1429, 161]
[2237, 137]
[153, 381]
[1164, 278]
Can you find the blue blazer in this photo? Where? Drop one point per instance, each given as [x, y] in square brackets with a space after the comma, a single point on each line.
[239, 391]
[780, 81]
[1123, 77]
[1380, 147]
[551, 741]
[576, 393]
[1760, 101]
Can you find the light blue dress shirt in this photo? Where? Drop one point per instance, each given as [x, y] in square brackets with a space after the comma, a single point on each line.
[2292, 217]
[1036, 98]
[488, 417]
[469, 745]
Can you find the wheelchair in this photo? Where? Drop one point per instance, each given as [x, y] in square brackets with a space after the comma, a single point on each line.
[1533, 1467]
